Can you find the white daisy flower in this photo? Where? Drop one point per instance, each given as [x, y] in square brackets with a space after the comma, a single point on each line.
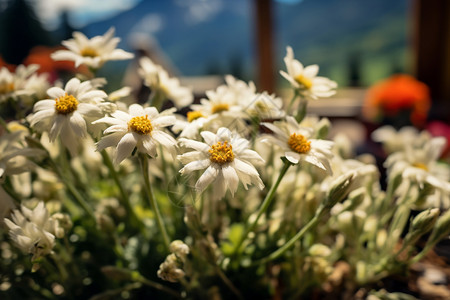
[141, 128]
[34, 231]
[263, 106]
[227, 160]
[240, 90]
[158, 80]
[13, 84]
[92, 52]
[394, 140]
[420, 164]
[66, 114]
[297, 144]
[222, 110]
[305, 79]
[191, 126]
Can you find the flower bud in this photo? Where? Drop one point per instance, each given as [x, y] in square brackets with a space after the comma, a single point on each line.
[441, 229]
[339, 189]
[421, 224]
[180, 249]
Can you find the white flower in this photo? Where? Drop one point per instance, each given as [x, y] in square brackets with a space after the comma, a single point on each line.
[227, 160]
[191, 126]
[157, 79]
[14, 84]
[92, 52]
[420, 164]
[305, 79]
[297, 144]
[394, 140]
[33, 231]
[68, 112]
[263, 106]
[140, 127]
[221, 110]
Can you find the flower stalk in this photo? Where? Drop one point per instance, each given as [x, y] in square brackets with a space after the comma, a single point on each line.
[152, 200]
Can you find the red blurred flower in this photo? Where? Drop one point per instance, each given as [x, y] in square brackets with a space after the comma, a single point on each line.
[395, 95]
[40, 55]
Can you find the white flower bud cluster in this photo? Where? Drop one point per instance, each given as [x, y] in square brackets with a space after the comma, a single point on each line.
[171, 269]
[34, 231]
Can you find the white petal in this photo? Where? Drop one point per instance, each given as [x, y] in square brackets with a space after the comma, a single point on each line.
[44, 104]
[199, 146]
[164, 139]
[72, 86]
[311, 71]
[148, 146]
[207, 177]
[136, 110]
[116, 128]
[125, 148]
[209, 137]
[231, 178]
[191, 156]
[164, 121]
[55, 92]
[109, 141]
[195, 165]
[78, 124]
[293, 157]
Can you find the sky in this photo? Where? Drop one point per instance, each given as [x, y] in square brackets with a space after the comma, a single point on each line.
[83, 12]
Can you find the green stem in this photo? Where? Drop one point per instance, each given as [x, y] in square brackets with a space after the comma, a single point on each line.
[125, 199]
[292, 101]
[292, 241]
[158, 286]
[301, 112]
[153, 203]
[228, 282]
[77, 196]
[267, 201]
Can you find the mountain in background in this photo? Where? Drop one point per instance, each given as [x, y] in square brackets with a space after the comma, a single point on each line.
[353, 41]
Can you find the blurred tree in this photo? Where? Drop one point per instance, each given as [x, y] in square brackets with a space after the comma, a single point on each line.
[66, 29]
[20, 31]
[354, 66]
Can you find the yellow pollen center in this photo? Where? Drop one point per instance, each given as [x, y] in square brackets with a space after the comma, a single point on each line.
[6, 87]
[421, 166]
[141, 125]
[217, 108]
[193, 115]
[221, 153]
[66, 104]
[305, 82]
[299, 143]
[89, 52]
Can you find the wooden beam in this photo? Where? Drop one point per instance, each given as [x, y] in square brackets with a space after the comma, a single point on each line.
[264, 50]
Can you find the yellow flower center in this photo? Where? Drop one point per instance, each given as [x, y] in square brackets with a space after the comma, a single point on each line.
[217, 108]
[193, 115]
[221, 153]
[421, 166]
[141, 125]
[66, 104]
[299, 143]
[305, 82]
[6, 87]
[89, 52]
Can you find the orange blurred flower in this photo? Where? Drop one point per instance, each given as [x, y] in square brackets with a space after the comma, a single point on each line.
[395, 95]
[40, 55]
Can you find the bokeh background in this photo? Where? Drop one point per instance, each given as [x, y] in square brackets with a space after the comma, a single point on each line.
[355, 43]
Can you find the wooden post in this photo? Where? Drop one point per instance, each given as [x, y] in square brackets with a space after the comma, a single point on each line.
[432, 51]
[264, 48]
